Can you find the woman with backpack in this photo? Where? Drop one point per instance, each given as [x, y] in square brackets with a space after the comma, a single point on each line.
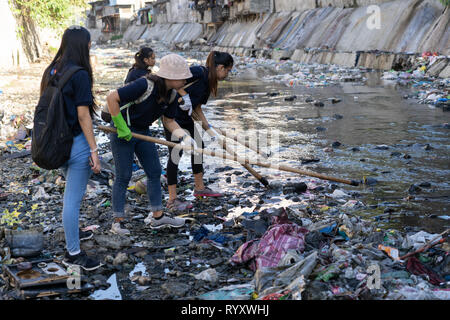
[153, 96]
[203, 83]
[79, 108]
[144, 59]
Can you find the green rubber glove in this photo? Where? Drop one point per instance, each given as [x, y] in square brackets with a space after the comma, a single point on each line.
[123, 131]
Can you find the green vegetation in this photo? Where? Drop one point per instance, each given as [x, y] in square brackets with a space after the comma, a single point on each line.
[54, 14]
[445, 2]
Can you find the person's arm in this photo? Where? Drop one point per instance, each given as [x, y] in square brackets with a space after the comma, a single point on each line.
[126, 94]
[85, 120]
[173, 127]
[113, 101]
[179, 133]
[201, 117]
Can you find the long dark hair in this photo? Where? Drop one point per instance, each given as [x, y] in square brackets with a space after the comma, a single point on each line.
[214, 59]
[74, 48]
[139, 57]
[163, 91]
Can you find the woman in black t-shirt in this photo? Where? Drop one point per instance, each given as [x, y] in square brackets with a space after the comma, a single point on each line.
[144, 59]
[204, 82]
[79, 107]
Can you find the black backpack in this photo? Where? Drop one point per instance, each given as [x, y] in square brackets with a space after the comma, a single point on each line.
[52, 137]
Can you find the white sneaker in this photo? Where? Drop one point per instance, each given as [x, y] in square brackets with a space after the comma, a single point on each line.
[118, 230]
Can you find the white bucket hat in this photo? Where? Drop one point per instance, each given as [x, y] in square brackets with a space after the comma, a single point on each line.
[174, 67]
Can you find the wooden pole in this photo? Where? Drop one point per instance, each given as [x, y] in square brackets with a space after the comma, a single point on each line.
[236, 158]
[223, 144]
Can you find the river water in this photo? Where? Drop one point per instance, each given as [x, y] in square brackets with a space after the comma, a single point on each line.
[396, 141]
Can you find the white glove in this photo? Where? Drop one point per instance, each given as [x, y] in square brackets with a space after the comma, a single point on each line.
[187, 106]
[213, 133]
[187, 141]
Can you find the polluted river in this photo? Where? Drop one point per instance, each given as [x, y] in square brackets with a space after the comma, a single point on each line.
[347, 123]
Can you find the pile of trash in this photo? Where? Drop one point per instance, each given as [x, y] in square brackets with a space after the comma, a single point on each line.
[340, 257]
[423, 76]
[294, 74]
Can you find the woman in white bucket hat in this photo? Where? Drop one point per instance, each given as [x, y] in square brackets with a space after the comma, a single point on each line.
[151, 97]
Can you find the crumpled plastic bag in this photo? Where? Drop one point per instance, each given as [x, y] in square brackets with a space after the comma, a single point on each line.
[279, 279]
[418, 240]
[209, 275]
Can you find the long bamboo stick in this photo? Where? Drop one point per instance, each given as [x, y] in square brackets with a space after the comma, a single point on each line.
[236, 158]
[223, 144]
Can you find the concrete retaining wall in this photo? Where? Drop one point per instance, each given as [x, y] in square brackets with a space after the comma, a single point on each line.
[173, 32]
[348, 36]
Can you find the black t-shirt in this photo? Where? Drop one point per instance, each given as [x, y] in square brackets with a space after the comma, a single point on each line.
[198, 93]
[143, 114]
[76, 92]
[136, 73]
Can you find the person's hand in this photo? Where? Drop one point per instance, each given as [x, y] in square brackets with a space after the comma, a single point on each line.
[94, 161]
[123, 132]
[187, 106]
[187, 141]
[213, 133]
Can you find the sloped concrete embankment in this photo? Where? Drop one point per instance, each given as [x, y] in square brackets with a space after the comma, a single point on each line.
[333, 35]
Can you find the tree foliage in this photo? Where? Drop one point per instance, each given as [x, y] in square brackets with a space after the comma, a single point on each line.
[55, 14]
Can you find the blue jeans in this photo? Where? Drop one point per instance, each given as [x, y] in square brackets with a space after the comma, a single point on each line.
[77, 172]
[123, 152]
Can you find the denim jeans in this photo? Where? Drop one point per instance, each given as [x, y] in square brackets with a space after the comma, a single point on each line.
[123, 152]
[77, 172]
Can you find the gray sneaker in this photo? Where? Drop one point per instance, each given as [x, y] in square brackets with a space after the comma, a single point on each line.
[166, 221]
